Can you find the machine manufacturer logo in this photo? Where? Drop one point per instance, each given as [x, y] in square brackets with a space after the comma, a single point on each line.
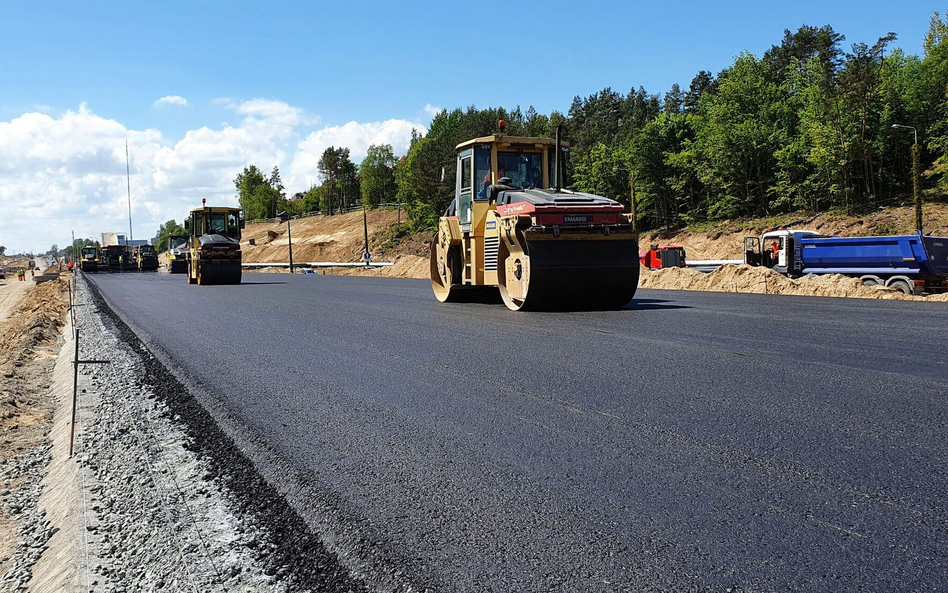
[491, 225]
[575, 218]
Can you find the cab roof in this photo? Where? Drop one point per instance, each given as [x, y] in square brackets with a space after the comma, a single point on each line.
[511, 142]
[215, 209]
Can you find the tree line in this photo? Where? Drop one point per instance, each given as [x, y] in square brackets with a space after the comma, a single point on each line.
[343, 185]
[809, 126]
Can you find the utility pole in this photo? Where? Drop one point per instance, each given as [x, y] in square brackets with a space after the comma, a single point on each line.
[128, 182]
[917, 185]
[289, 235]
[635, 206]
[916, 177]
[365, 224]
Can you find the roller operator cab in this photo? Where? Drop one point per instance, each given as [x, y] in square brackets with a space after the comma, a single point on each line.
[214, 238]
[513, 228]
[89, 259]
[178, 250]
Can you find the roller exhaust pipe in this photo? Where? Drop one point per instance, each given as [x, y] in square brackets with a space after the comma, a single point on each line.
[557, 162]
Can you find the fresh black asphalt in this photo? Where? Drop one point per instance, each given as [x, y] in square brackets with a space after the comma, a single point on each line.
[691, 441]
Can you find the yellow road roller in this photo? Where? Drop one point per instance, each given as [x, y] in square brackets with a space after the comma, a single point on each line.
[512, 227]
[214, 237]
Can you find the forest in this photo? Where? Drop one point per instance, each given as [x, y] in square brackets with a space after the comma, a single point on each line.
[814, 124]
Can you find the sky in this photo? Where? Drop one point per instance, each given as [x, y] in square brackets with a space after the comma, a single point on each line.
[200, 89]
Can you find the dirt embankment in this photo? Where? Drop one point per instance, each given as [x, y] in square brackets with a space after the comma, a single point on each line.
[28, 343]
[765, 281]
[341, 238]
[725, 240]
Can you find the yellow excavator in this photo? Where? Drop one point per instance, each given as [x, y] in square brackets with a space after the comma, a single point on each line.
[214, 238]
[512, 227]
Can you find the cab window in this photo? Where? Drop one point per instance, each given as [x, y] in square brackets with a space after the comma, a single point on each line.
[525, 170]
[466, 175]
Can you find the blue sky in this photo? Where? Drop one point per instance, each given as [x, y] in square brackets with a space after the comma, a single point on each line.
[276, 83]
[376, 60]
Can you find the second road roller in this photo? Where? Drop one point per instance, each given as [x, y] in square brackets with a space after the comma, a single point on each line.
[214, 239]
[512, 227]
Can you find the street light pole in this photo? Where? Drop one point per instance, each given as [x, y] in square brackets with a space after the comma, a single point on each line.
[635, 206]
[916, 177]
[365, 225]
[289, 236]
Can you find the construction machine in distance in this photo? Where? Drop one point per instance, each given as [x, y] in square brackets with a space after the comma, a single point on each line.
[512, 227]
[145, 258]
[89, 259]
[178, 254]
[214, 256]
[114, 258]
[663, 256]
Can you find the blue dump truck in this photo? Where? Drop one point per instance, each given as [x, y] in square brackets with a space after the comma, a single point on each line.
[914, 264]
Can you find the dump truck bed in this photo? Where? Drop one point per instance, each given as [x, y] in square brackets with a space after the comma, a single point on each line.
[916, 255]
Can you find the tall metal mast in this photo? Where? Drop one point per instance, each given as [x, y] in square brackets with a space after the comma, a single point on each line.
[128, 183]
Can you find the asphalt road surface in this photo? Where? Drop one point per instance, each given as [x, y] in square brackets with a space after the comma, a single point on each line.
[691, 441]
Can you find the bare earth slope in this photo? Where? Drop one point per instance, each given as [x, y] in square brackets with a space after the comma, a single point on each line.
[341, 238]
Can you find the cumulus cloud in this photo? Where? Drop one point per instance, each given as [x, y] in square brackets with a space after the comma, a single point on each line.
[169, 100]
[67, 173]
[355, 136]
[432, 110]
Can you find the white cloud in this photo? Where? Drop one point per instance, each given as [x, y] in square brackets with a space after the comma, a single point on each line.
[67, 173]
[355, 136]
[432, 110]
[171, 100]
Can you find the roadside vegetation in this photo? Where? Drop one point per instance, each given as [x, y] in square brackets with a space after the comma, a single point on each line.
[814, 125]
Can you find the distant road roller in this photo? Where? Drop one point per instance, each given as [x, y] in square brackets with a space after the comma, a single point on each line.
[89, 261]
[513, 228]
[214, 238]
[145, 258]
[178, 254]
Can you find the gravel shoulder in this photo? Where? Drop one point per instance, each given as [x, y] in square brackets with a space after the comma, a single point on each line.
[169, 500]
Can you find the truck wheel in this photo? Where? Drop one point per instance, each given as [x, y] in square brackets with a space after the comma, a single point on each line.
[901, 285]
[872, 281]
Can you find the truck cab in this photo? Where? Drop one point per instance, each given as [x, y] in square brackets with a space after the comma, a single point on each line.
[775, 249]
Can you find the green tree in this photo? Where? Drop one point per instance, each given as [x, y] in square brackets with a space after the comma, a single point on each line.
[74, 251]
[746, 121]
[278, 195]
[340, 179]
[166, 230]
[254, 201]
[377, 175]
[54, 250]
[603, 171]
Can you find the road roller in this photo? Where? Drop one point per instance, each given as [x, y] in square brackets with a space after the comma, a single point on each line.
[89, 261]
[214, 237]
[513, 228]
[178, 254]
[145, 258]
